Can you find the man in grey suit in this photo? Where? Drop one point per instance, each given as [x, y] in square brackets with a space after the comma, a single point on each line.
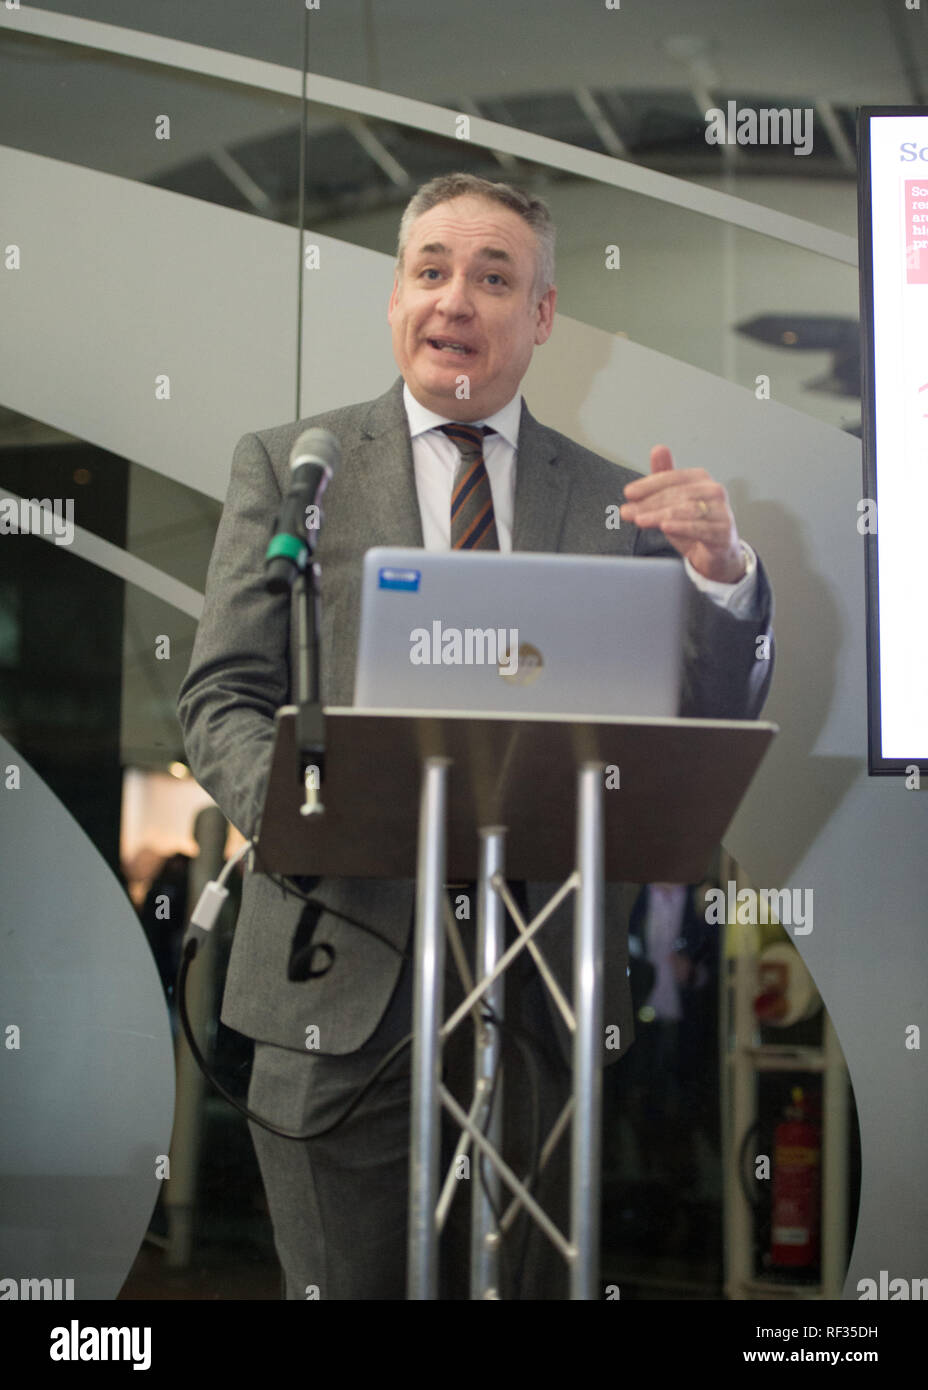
[472, 297]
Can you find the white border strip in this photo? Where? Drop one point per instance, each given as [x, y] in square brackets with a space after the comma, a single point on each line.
[125, 566]
[437, 120]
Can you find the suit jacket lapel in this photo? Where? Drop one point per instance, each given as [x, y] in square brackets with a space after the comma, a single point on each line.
[371, 501]
[542, 487]
[384, 476]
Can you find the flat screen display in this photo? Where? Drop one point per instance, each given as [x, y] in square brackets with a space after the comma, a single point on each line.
[893, 225]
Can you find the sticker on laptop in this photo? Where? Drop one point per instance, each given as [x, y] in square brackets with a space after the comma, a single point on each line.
[407, 580]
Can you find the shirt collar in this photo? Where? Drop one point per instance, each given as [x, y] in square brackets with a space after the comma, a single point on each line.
[505, 421]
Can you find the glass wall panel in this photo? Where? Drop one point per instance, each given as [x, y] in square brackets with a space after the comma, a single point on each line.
[90, 665]
[239, 147]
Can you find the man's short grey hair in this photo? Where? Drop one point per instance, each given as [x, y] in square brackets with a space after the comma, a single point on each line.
[447, 186]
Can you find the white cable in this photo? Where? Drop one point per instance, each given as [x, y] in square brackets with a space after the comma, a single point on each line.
[211, 900]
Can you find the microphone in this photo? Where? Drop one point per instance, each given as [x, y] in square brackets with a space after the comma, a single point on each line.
[313, 460]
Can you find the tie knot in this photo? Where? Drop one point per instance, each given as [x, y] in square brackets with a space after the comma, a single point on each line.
[468, 438]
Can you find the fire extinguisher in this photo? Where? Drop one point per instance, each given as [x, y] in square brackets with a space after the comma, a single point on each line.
[797, 1168]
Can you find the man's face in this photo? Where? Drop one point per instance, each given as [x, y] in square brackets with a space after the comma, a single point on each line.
[463, 307]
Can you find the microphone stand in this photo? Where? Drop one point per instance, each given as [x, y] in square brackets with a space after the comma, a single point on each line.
[310, 721]
[289, 565]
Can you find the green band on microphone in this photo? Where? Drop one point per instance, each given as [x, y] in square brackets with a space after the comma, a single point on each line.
[287, 546]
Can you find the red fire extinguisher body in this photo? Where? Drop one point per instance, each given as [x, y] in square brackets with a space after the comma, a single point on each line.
[797, 1161]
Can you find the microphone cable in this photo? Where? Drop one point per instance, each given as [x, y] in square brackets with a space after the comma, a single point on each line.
[202, 921]
[287, 886]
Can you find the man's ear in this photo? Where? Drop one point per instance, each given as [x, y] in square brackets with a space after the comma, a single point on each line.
[545, 315]
[394, 296]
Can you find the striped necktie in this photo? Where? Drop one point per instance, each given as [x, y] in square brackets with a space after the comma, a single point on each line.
[473, 525]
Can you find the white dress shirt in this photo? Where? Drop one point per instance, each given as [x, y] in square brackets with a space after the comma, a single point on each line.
[666, 906]
[435, 460]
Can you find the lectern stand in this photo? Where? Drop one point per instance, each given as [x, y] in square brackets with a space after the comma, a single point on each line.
[454, 796]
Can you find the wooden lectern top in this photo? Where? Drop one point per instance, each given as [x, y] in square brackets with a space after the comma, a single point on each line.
[673, 786]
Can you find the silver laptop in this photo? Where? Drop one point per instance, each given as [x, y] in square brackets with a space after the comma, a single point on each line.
[520, 633]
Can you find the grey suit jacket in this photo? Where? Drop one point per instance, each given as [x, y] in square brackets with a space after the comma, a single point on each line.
[240, 673]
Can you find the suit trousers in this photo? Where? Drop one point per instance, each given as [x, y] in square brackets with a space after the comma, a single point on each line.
[339, 1203]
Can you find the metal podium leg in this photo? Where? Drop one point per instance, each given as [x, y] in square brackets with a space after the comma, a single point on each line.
[588, 1040]
[422, 1273]
[485, 1200]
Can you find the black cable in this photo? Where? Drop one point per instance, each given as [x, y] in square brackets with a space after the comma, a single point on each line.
[287, 886]
[190, 951]
[525, 1042]
[526, 1045]
[751, 1196]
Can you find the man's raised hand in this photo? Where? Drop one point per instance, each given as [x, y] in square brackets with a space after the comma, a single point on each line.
[692, 511]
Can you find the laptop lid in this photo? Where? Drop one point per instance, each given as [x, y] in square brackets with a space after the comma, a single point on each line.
[484, 631]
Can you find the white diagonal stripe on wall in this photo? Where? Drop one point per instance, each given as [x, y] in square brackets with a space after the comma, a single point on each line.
[436, 120]
[128, 567]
